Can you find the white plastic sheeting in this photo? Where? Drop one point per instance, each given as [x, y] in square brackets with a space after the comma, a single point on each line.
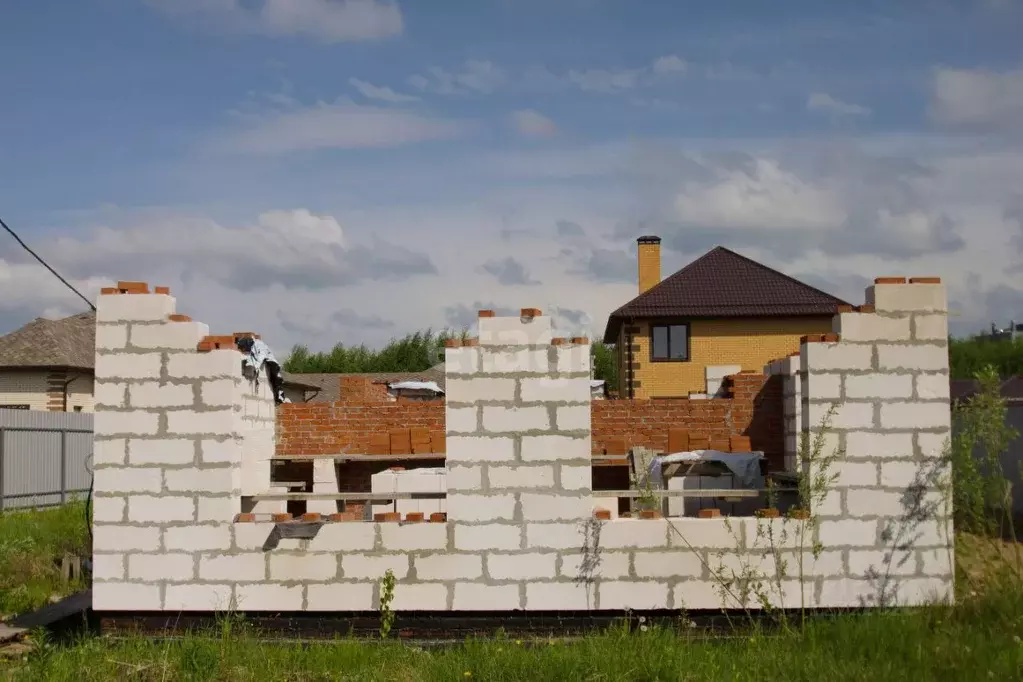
[745, 466]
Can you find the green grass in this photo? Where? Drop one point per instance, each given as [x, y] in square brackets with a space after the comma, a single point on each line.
[977, 640]
[32, 543]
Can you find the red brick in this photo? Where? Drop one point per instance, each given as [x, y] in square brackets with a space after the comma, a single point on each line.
[559, 341]
[579, 340]
[178, 318]
[602, 514]
[311, 516]
[452, 343]
[530, 312]
[889, 280]
[244, 518]
[279, 518]
[709, 513]
[721, 445]
[162, 290]
[106, 291]
[925, 280]
[414, 517]
[699, 443]
[486, 313]
[649, 514]
[387, 517]
[401, 442]
[865, 308]
[133, 287]
[769, 513]
[438, 517]
[740, 444]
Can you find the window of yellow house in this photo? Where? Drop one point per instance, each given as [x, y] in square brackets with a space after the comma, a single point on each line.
[669, 342]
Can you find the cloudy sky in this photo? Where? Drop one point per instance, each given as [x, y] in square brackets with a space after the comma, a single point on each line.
[325, 170]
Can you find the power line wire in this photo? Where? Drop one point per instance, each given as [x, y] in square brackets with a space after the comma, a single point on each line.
[46, 265]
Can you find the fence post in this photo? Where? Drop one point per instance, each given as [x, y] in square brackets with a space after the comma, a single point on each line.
[3, 438]
[63, 467]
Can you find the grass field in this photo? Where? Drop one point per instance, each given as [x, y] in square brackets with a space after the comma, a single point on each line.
[32, 544]
[976, 640]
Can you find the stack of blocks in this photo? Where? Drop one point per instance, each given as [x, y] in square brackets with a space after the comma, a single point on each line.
[175, 456]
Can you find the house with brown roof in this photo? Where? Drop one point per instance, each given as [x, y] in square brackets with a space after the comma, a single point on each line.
[721, 314]
[49, 365]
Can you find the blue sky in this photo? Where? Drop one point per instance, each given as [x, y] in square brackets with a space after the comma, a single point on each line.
[327, 170]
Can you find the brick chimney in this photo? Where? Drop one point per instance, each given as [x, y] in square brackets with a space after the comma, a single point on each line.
[649, 262]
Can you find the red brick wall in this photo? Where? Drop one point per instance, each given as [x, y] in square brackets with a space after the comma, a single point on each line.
[335, 428]
[754, 410]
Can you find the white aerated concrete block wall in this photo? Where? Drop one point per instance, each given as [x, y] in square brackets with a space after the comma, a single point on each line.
[180, 437]
[520, 533]
[792, 405]
[890, 508]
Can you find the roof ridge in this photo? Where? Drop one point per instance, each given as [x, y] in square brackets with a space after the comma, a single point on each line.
[776, 272]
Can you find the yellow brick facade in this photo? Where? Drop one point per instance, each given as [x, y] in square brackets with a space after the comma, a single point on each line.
[749, 342]
[35, 389]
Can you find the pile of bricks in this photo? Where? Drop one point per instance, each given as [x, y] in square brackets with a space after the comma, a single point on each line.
[411, 441]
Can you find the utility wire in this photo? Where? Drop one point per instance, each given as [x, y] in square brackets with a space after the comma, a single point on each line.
[46, 265]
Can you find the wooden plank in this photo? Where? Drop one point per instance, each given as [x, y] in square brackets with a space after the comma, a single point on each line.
[352, 497]
[358, 458]
[708, 492]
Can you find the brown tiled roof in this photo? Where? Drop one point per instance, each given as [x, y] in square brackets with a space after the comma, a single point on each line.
[330, 383]
[721, 283]
[68, 342]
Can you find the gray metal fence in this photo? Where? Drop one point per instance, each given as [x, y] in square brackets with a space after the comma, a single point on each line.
[44, 457]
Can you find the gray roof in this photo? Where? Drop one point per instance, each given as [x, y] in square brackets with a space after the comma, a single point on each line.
[330, 383]
[68, 342]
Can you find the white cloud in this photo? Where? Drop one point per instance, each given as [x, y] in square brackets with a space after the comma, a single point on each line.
[342, 125]
[625, 79]
[821, 101]
[978, 98]
[669, 64]
[532, 123]
[764, 198]
[835, 212]
[606, 80]
[295, 249]
[327, 20]
[30, 291]
[475, 75]
[380, 92]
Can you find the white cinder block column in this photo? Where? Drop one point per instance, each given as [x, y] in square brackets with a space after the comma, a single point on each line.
[180, 436]
[518, 447]
[889, 509]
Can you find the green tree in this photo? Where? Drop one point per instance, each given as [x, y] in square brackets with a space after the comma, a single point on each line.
[414, 352]
[605, 364]
[973, 355]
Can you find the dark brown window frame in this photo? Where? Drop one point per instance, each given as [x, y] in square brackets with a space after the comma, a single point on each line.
[671, 323]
